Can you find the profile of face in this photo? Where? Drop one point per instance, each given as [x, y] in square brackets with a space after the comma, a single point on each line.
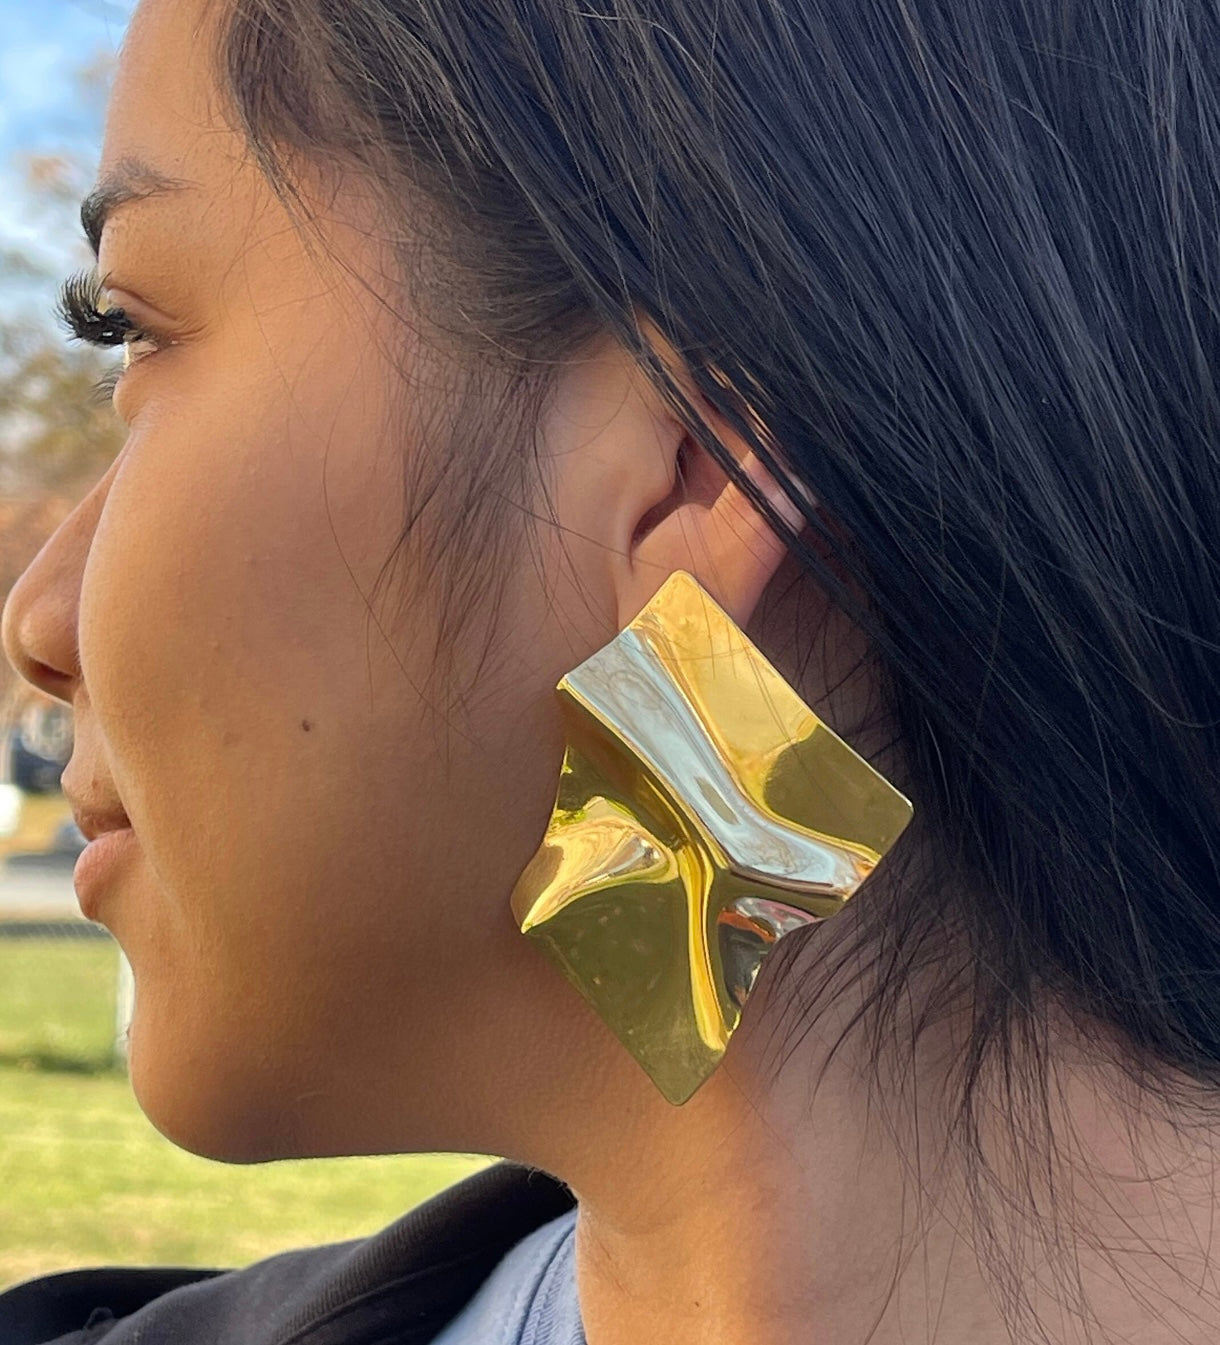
[316, 903]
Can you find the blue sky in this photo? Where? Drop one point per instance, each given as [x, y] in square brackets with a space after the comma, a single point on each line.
[44, 45]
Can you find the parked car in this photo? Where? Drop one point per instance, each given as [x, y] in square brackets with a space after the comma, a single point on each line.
[39, 743]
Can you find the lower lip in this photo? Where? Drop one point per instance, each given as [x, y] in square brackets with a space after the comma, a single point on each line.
[96, 867]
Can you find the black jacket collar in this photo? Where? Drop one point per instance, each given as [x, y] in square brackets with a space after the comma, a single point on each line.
[400, 1285]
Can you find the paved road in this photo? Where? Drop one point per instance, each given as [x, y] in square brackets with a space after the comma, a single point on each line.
[38, 887]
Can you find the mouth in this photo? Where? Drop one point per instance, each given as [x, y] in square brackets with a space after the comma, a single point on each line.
[94, 823]
[98, 865]
[107, 828]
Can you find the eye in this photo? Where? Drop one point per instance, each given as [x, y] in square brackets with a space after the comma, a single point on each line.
[83, 311]
[136, 345]
[82, 308]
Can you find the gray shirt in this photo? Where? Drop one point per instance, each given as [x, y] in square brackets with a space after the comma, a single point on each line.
[530, 1296]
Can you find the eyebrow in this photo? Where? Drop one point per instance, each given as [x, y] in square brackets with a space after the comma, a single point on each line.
[128, 180]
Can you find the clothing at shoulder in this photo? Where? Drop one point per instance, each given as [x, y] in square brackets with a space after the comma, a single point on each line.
[404, 1284]
[530, 1298]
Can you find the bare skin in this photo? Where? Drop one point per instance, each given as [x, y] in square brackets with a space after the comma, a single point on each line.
[317, 914]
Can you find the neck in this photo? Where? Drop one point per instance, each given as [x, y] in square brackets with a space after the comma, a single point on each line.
[813, 1205]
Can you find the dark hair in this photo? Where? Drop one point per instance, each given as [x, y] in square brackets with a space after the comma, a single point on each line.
[961, 260]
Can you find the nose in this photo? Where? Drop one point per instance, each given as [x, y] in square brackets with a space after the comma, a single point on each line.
[39, 625]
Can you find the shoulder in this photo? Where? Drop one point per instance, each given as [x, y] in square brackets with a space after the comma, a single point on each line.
[411, 1278]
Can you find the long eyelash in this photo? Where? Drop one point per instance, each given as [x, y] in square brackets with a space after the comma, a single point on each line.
[79, 309]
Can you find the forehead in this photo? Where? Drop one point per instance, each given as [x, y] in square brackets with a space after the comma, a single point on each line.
[166, 124]
[168, 116]
[165, 108]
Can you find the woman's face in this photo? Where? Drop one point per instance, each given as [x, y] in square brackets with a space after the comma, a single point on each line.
[316, 907]
[327, 827]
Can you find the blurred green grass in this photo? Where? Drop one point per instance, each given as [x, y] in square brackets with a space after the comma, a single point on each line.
[86, 1180]
[57, 1004]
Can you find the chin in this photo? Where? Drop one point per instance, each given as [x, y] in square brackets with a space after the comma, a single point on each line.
[211, 1102]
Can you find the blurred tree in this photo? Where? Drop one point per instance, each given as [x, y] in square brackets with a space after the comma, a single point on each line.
[57, 434]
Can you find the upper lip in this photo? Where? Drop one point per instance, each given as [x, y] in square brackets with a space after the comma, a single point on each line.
[94, 820]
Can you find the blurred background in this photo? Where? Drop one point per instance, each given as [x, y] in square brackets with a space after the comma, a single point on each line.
[84, 1179]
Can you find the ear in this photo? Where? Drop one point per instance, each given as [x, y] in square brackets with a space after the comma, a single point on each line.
[713, 531]
[637, 498]
[708, 525]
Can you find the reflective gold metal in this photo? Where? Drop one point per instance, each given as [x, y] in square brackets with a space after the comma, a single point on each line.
[704, 811]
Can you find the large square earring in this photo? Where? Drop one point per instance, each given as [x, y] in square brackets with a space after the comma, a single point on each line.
[704, 811]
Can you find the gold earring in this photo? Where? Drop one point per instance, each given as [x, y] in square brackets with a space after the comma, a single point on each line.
[704, 811]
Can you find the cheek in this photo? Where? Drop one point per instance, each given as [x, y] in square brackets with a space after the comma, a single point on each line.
[229, 657]
[223, 594]
[310, 903]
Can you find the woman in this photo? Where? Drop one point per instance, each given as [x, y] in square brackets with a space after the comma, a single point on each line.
[453, 334]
